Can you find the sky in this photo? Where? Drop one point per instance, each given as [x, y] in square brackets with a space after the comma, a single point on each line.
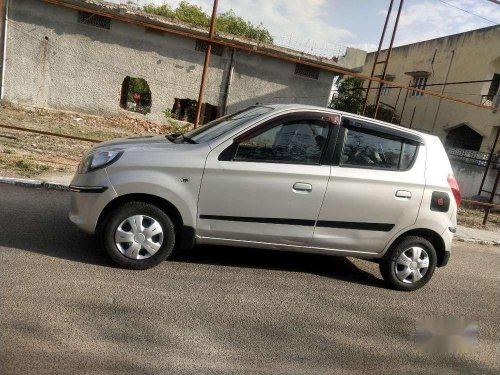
[323, 26]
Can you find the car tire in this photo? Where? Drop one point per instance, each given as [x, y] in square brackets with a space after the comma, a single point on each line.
[409, 264]
[138, 235]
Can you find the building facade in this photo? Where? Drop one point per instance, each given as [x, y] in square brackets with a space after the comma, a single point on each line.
[103, 58]
[465, 66]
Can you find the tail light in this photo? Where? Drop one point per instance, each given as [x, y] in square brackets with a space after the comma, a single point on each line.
[455, 189]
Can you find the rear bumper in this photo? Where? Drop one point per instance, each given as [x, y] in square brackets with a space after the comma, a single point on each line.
[446, 258]
[447, 237]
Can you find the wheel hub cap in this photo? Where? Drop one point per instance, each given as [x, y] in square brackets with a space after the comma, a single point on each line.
[139, 237]
[412, 264]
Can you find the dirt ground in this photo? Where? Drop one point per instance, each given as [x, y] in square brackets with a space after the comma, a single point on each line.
[24, 154]
[473, 218]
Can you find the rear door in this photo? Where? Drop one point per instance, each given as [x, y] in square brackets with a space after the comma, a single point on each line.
[268, 184]
[375, 189]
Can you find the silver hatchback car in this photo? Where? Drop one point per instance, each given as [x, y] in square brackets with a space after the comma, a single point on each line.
[284, 177]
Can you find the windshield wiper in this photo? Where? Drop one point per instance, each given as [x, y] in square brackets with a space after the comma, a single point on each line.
[170, 137]
[188, 140]
[175, 138]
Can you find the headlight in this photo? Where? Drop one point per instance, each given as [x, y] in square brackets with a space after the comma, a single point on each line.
[98, 160]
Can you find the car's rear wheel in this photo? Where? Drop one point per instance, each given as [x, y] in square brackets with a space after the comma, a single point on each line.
[410, 264]
[138, 235]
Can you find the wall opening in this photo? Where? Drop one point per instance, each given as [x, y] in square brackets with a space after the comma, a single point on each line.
[464, 137]
[135, 95]
[202, 46]
[185, 110]
[95, 20]
[306, 71]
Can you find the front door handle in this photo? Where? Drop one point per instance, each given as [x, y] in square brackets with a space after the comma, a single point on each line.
[403, 194]
[302, 187]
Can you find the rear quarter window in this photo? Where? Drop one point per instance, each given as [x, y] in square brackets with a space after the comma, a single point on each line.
[376, 150]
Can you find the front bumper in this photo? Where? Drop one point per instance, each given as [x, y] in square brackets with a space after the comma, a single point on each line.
[90, 193]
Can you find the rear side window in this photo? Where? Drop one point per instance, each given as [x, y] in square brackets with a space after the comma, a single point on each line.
[371, 149]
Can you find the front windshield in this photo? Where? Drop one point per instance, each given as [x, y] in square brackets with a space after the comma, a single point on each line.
[222, 125]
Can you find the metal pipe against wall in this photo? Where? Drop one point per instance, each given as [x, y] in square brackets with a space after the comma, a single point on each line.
[404, 104]
[442, 90]
[396, 107]
[4, 55]
[488, 163]
[412, 116]
[388, 57]
[228, 83]
[1, 16]
[205, 65]
[375, 58]
[492, 197]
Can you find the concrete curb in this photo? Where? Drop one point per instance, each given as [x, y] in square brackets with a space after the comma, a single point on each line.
[34, 183]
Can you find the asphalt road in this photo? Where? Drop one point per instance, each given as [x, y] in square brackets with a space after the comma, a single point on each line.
[66, 310]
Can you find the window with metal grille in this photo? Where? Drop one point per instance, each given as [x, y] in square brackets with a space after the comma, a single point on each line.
[306, 71]
[95, 20]
[385, 90]
[202, 46]
[419, 83]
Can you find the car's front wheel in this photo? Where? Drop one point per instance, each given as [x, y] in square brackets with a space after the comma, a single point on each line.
[138, 235]
[410, 264]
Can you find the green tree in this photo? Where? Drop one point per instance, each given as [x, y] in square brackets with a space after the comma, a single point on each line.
[139, 86]
[227, 22]
[349, 96]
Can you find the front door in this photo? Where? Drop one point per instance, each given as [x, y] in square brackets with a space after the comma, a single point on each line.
[268, 184]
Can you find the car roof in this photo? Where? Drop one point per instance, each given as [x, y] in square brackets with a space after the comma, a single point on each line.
[290, 107]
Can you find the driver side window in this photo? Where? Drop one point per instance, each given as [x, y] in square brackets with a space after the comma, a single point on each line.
[296, 142]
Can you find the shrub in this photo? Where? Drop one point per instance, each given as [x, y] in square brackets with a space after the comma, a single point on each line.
[227, 22]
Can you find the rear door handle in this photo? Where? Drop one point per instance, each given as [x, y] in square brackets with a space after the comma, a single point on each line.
[302, 187]
[403, 194]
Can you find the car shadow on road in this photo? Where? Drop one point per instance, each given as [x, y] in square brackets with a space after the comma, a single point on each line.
[36, 220]
[340, 268]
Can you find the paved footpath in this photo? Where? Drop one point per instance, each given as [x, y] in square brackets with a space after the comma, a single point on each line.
[476, 234]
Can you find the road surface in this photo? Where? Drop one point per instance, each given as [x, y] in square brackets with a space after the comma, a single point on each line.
[65, 309]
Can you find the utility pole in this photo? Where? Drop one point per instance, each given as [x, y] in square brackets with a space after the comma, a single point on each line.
[375, 57]
[205, 65]
[386, 61]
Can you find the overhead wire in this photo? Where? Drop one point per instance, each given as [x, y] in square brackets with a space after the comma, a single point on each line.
[467, 11]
